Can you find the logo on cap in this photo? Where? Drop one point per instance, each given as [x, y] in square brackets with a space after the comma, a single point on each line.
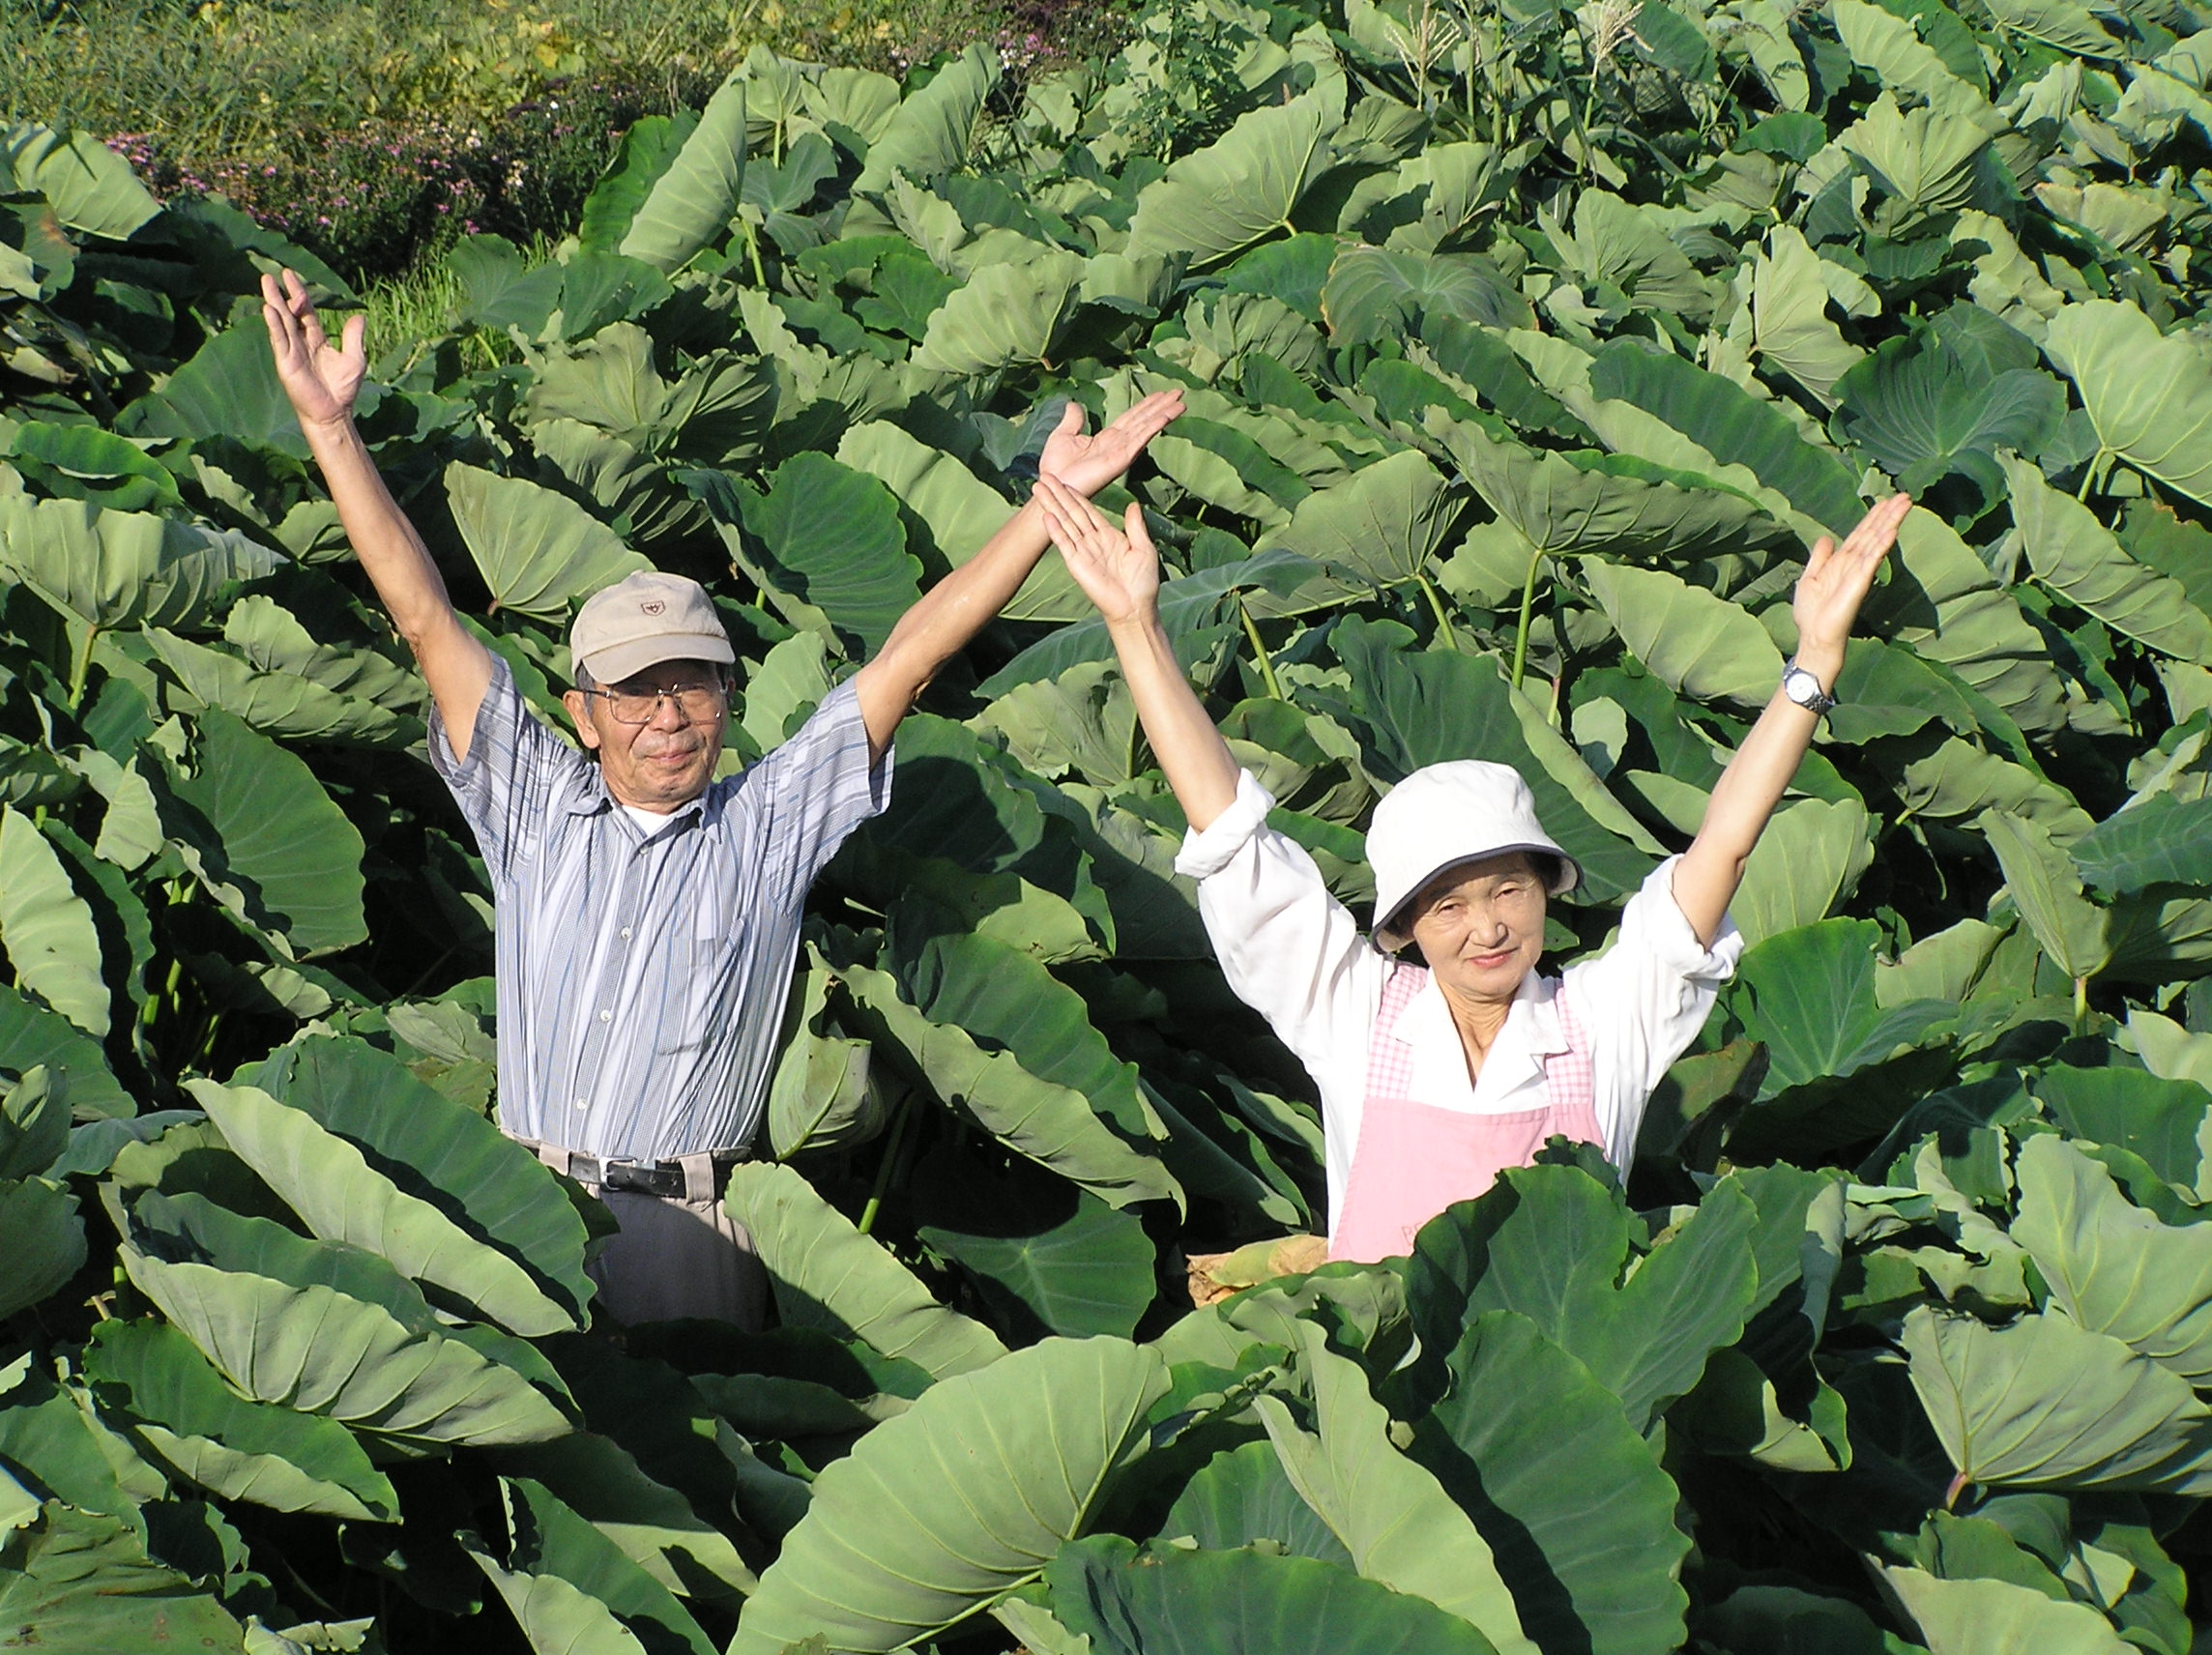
[654, 607]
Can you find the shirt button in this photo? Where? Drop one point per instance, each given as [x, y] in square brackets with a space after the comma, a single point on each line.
[626, 933]
[579, 1103]
[605, 1016]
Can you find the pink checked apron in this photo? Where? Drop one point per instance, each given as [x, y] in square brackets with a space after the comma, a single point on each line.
[1413, 1160]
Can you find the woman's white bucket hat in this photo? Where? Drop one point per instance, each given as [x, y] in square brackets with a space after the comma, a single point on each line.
[1441, 815]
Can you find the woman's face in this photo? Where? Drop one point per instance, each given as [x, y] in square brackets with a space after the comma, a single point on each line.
[1481, 927]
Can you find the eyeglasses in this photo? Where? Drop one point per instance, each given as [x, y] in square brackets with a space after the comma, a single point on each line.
[696, 702]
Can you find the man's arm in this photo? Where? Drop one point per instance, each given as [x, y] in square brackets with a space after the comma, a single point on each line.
[1830, 592]
[1119, 570]
[959, 606]
[322, 382]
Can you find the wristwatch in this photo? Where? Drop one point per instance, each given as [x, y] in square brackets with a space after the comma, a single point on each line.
[1800, 685]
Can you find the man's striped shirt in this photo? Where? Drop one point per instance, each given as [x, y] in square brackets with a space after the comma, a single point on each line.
[642, 978]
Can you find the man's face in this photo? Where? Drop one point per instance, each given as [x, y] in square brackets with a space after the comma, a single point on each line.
[667, 759]
[1481, 927]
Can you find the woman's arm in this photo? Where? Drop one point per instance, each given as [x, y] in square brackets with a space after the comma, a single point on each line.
[1835, 582]
[322, 382]
[1119, 570]
[959, 606]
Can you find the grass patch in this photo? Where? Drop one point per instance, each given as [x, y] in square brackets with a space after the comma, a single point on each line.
[378, 132]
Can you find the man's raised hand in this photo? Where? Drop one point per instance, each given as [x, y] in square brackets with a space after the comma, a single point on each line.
[1089, 463]
[321, 379]
[1118, 569]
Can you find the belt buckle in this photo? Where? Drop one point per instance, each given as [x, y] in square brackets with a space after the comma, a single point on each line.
[645, 1177]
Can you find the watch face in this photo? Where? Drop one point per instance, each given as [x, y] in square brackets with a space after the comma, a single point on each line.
[1802, 687]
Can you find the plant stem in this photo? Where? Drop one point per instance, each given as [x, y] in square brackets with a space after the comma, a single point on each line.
[1260, 653]
[1527, 610]
[1436, 608]
[2080, 1005]
[884, 1168]
[80, 666]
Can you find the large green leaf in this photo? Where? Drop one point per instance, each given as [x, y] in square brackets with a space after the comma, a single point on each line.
[229, 388]
[1241, 188]
[1997, 1617]
[1376, 293]
[2043, 1402]
[970, 1492]
[46, 929]
[281, 702]
[1787, 317]
[1808, 996]
[571, 1588]
[2159, 840]
[124, 569]
[2074, 931]
[2081, 560]
[1123, 1601]
[1599, 504]
[1393, 1517]
[695, 197]
[1929, 161]
[540, 553]
[1921, 414]
[88, 184]
[2149, 395]
[1697, 644]
[259, 1303]
[32, 1037]
[932, 130]
[2112, 1267]
[1726, 419]
[81, 1584]
[1809, 858]
[828, 1275]
[332, 1186]
[1007, 1000]
[1242, 1494]
[1577, 1512]
[147, 1373]
[260, 828]
[1383, 525]
[44, 1242]
[2161, 1120]
[961, 511]
[1644, 1332]
[1006, 316]
[834, 533]
[1052, 1123]
[1089, 1274]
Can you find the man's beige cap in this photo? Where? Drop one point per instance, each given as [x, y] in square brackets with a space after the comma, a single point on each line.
[645, 619]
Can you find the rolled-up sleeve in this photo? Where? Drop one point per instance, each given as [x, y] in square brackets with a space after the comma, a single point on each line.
[815, 789]
[515, 767]
[1288, 949]
[1644, 1000]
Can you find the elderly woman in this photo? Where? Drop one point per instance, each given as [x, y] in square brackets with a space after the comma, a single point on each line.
[1436, 1077]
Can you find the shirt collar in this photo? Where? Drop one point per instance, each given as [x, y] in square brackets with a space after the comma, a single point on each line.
[1533, 1022]
[591, 797]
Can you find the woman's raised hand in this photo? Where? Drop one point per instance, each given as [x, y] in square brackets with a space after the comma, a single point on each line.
[1836, 581]
[1118, 569]
[1089, 463]
[321, 380]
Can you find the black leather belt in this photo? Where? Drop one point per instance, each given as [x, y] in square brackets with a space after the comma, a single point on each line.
[648, 1178]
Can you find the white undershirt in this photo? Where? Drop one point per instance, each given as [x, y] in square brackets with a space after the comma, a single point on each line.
[650, 822]
[1296, 955]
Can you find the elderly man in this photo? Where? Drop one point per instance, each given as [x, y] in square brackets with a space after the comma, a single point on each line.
[648, 914]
